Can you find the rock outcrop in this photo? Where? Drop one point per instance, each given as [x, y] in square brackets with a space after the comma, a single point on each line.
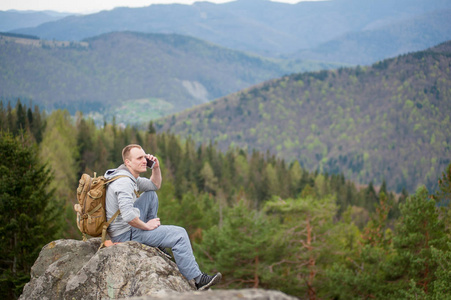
[71, 269]
[245, 294]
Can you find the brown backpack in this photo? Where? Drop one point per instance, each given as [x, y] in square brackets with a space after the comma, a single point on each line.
[91, 210]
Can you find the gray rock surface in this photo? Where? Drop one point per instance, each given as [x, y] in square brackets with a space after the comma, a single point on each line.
[244, 294]
[71, 269]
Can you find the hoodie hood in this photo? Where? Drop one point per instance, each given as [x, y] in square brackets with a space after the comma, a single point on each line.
[121, 170]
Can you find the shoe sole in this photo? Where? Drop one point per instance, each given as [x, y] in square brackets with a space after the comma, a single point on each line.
[212, 282]
[167, 255]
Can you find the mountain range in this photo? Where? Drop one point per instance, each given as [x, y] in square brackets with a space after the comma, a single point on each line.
[370, 45]
[113, 74]
[389, 121]
[14, 19]
[385, 120]
[324, 30]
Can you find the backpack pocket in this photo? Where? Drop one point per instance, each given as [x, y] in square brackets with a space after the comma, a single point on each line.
[94, 225]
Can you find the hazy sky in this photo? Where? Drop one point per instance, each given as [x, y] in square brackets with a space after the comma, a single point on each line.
[88, 6]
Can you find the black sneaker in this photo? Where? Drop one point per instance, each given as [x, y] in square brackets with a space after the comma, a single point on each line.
[165, 252]
[206, 281]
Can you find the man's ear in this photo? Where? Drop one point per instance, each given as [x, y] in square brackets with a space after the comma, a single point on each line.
[127, 162]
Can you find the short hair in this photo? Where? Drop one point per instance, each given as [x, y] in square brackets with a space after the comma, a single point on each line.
[127, 149]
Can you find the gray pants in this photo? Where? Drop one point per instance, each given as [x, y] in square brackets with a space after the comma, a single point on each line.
[166, 236]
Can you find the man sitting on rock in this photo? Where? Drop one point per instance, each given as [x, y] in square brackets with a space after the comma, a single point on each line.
[138, 219]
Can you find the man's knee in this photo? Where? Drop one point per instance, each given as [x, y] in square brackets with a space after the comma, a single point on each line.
[150, 197]
[181, 230]
[150, 194]
[181, 233]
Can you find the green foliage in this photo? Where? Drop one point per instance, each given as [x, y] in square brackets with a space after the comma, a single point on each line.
[30, 216]
[410, 263]
[441, 286]
[419, 231]
[361, 276]
[376, 232]
[258, 220]
[308, 244]
[204, 212]
[363, 271]
[22, 120]
[238, 248]
[443, 194]
[59, 149]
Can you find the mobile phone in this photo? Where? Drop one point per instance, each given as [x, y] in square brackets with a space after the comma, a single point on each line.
[150, 163]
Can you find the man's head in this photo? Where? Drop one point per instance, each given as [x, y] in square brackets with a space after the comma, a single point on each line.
[134, 158]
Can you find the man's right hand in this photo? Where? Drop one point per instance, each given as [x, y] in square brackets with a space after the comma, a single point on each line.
[150, 225]
[153, 224]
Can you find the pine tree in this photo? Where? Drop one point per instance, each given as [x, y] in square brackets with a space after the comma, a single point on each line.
[59, 149]
[29, 214]
[210, 180]
[3, 120]
[443, 194]
[419, 231]
[307, 243]
[375, 232]
[371, 199]
[20, 117]
[296, 175]
[151, 128]
[85, 144]
[239, 248]
[10, 119]
[362, 274]
[38, 125]
[441, 286]
[383, 188]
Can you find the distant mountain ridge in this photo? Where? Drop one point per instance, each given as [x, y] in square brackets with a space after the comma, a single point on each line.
[388, 121]
[112, 74]
[370, 45]
[12, 19]
[258, 26]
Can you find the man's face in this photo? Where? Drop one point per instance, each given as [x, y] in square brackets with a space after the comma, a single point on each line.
[137, 162]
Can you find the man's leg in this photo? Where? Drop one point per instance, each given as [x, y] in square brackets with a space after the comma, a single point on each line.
[147, 204]
[165, 236]
[174, 237]
[177, 239]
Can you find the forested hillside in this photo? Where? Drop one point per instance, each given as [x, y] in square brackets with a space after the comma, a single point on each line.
[135, 77]
[388, 121]
[261, 221]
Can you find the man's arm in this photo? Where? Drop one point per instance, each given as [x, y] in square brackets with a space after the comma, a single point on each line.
[150, 225]
[129, 213]
[156, 172]
[156, 176]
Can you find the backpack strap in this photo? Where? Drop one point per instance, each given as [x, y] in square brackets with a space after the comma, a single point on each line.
[107, 224]
[105, 227]
[114, 178]
[117, 177]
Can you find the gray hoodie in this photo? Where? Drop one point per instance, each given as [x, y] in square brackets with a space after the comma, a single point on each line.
[121, 195]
